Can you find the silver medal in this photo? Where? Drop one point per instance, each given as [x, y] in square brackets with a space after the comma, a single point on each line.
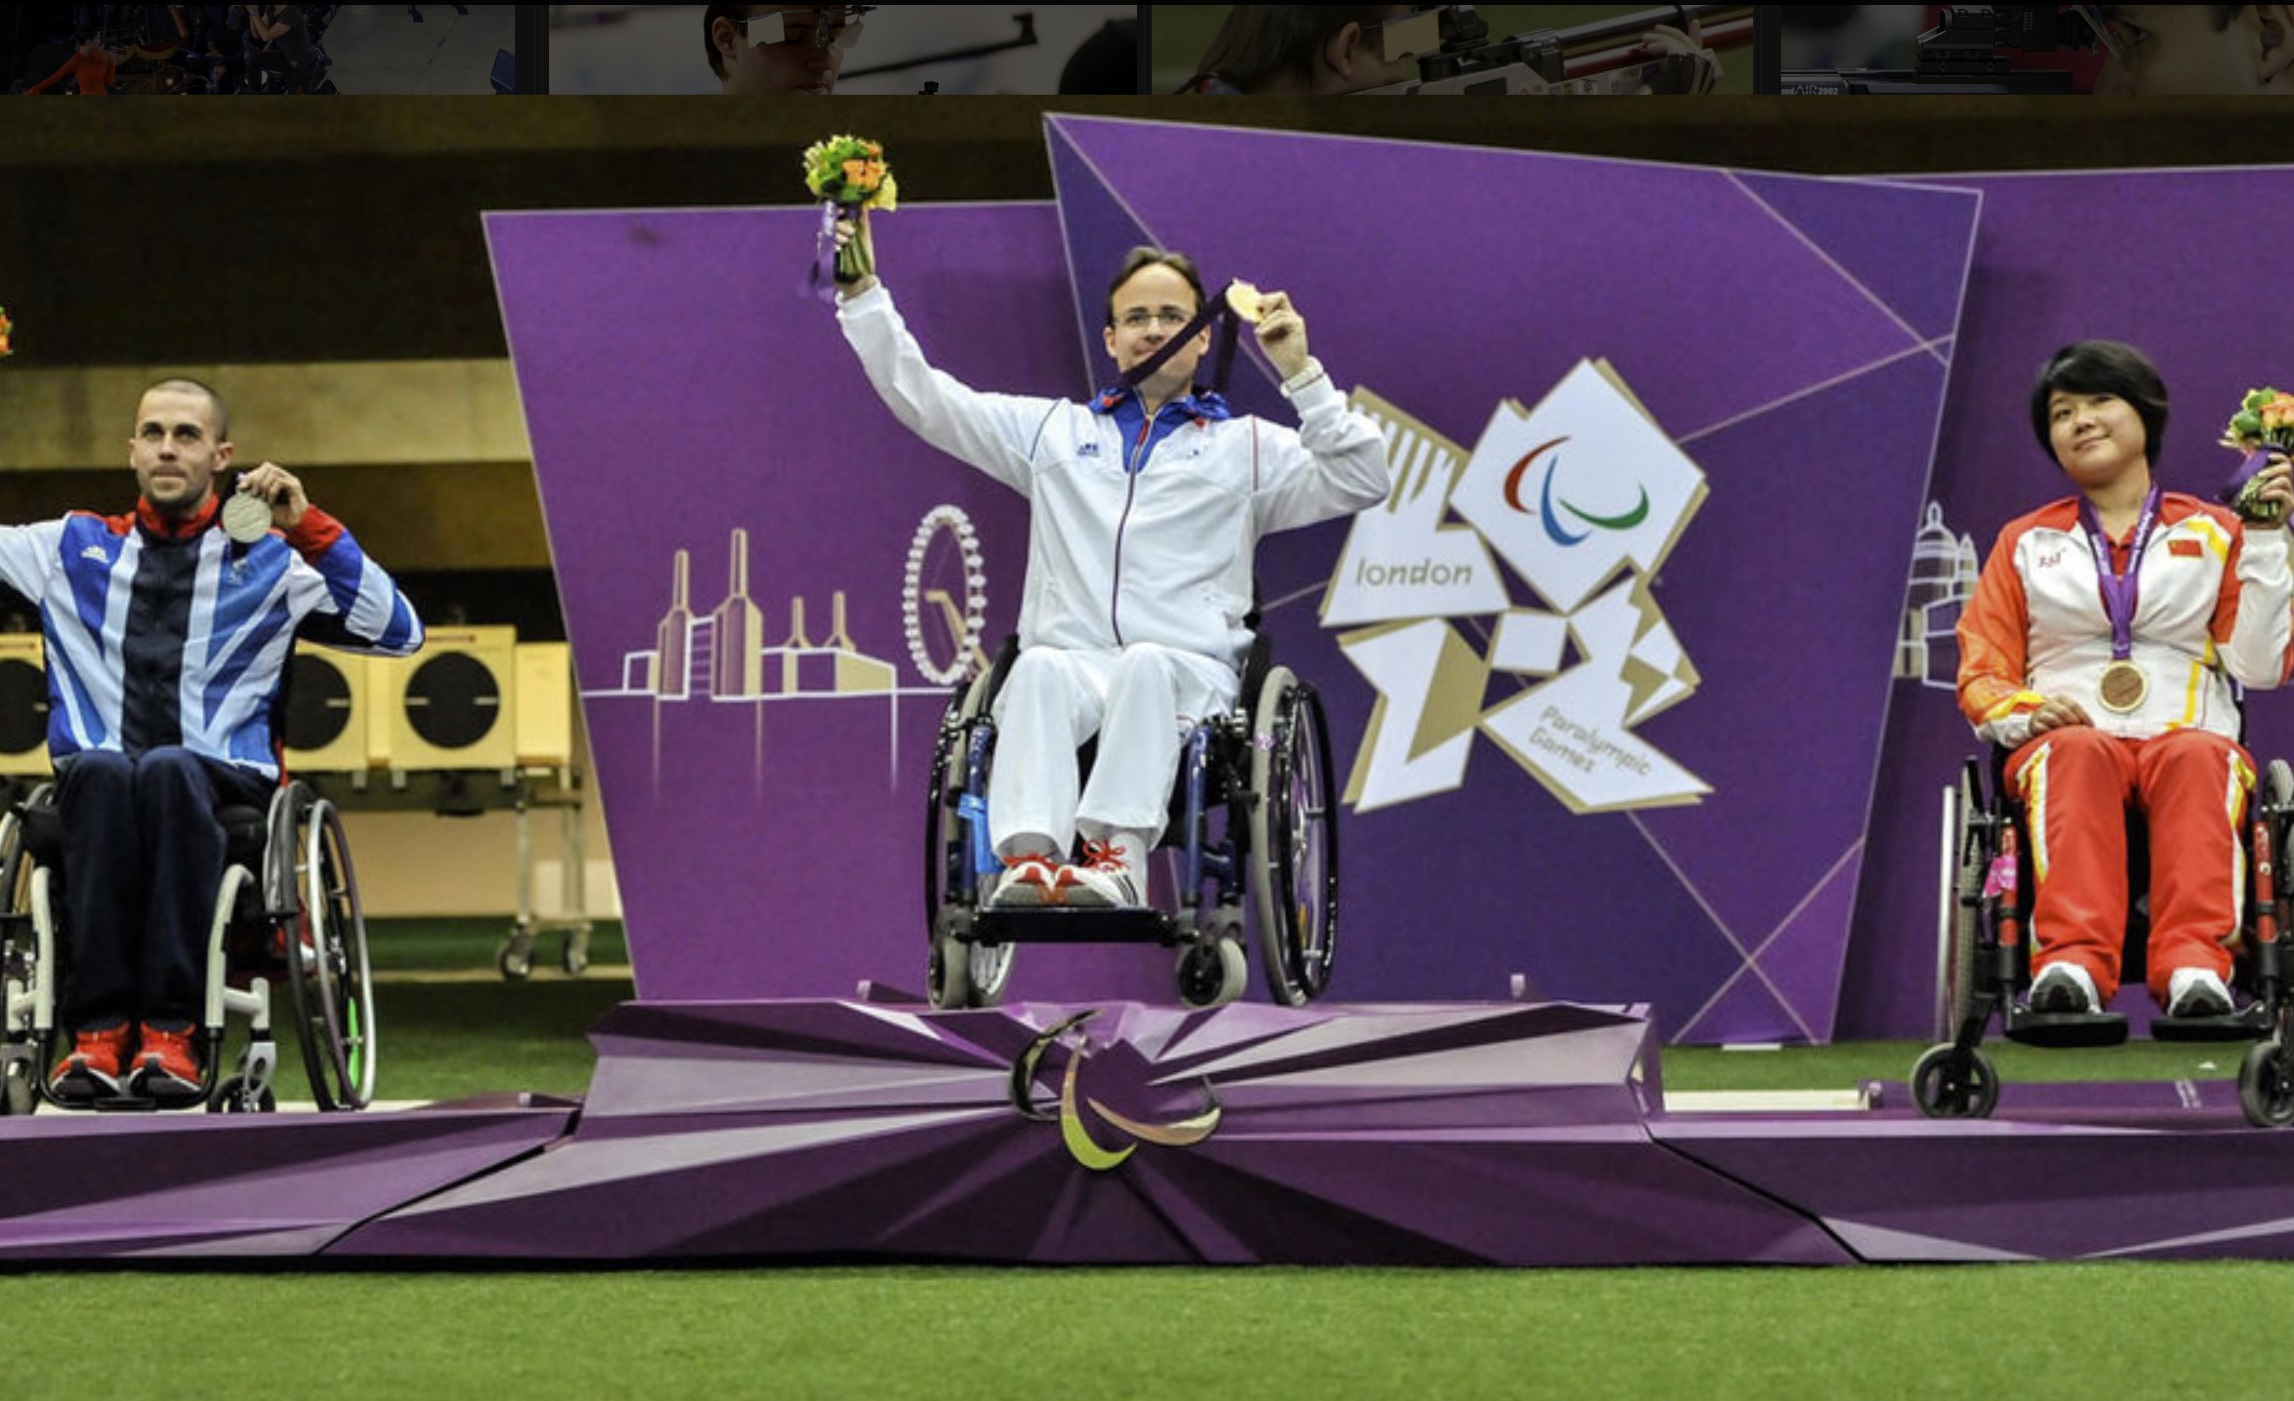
[246, 517]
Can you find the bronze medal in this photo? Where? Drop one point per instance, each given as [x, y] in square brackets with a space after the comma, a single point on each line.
[2123, 686]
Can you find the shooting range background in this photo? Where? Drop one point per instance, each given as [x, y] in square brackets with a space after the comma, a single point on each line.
[373, 206]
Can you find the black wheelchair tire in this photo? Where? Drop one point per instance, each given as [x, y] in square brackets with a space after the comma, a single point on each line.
[2266, 1085]
[1289, 734]
[1940, 1093]
[332, 988]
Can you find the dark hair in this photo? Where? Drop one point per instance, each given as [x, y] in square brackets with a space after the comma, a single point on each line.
[2103, 367]
[214, 400]
[1261, 45]
[1148, 256]
[709, 18]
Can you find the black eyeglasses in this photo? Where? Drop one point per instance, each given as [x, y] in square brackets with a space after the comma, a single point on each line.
[815, 27]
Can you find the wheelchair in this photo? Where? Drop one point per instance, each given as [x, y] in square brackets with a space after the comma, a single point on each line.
[1253, 817]
[288, 910]
[1987, 958]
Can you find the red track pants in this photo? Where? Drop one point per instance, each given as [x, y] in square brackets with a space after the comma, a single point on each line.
[2078, 784]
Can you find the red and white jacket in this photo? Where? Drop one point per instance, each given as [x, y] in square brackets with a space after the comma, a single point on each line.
[2215, 604]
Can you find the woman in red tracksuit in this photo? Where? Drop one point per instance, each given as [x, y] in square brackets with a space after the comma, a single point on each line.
[2101, 644]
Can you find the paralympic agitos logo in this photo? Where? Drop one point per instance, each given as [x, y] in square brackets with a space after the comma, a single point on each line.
[1555, 531]
[1505, 597]
[1121, 1074]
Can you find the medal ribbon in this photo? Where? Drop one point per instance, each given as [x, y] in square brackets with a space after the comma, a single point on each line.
[1223, 348]
[2120, 590]
[820, 278]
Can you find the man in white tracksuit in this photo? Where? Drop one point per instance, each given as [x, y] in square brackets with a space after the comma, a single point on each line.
[1148, 502]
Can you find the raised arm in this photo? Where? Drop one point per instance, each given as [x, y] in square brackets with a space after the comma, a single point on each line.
[1336, 463]
[996, 433]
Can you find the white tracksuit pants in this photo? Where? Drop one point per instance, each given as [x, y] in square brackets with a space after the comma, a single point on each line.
[1141, 701]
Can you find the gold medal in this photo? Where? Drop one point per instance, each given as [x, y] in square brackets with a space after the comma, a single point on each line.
[246, 517]
[2123, 686]
[1246, 300]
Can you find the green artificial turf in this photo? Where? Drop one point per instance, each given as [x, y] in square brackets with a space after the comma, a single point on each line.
[1845, 1065]
[940, 1334]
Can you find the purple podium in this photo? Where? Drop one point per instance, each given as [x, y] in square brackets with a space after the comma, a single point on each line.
[1408, 1134]
[1125, 1133]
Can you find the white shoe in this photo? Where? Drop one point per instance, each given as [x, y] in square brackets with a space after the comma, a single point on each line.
[2197, 992]
[1103, 881]
[1027, 883]
[2065, 988]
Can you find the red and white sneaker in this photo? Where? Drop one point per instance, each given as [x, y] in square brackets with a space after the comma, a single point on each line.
[1028, 882]
[92, 1070]
[1102, 881]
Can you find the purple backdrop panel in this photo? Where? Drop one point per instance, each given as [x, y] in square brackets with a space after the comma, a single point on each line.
[1421, 1134]
[2181, 288]
[733, 513]
[1793, 337]
[760, 660]
[84, 1186]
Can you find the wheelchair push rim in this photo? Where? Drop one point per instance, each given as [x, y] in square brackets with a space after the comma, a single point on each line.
[958, 973]
[1294, 839]
[328, 970]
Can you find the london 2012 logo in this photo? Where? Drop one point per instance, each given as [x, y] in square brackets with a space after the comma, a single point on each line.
[1582, 498]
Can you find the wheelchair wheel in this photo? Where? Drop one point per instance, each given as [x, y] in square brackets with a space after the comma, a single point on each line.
[231, 1097]
[959, 973]
[327, 968]
[1948, 1083]
[1212, 972]
[1294, 839]
[2266, 1085]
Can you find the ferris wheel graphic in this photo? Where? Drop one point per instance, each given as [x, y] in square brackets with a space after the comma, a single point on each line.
[944, 597]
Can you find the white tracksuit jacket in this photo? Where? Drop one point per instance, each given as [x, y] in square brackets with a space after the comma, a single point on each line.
[1139, 536]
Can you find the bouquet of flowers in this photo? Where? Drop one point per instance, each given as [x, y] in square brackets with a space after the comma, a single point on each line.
[5, 327]
[848, 175]
[2264, 424]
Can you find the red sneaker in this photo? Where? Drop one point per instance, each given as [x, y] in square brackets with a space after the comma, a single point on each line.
[166, 1067]
[92, 1070]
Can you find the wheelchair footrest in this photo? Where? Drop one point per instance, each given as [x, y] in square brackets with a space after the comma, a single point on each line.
[2059, 1030]
[1071, 924]
[2250, 1024]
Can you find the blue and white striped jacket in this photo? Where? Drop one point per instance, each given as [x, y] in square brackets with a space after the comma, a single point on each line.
[170, 634]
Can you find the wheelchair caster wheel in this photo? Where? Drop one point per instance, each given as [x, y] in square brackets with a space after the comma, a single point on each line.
[516, 964]
[1948, 1083]
[231, 1097]
[575, 961]
[948, 978]
[2266, 1086]
[967, 975]
[1212, 973]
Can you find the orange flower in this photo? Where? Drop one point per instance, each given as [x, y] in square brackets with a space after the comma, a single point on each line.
[854, 170]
